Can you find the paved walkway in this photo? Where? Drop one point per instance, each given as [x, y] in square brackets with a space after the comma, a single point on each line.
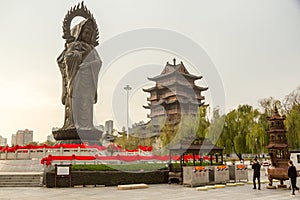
[156, 192]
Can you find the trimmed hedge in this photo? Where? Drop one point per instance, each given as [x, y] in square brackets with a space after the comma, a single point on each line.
[107, 178]
[129, 167]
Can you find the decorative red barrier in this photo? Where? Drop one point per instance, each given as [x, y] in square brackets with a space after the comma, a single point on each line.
[50, 158]
[113, 147]
[130, 158]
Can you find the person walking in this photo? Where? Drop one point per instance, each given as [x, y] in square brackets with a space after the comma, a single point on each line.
[292, 174]
[256, 173]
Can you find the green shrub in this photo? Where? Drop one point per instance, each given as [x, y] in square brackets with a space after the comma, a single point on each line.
[125, 167]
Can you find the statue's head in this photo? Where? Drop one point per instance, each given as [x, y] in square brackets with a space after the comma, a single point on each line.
[84, 31]
[87, 32]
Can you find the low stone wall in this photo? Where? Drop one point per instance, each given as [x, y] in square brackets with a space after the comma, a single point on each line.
[107, 178]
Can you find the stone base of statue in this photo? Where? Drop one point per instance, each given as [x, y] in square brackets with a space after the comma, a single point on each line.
[77, 136]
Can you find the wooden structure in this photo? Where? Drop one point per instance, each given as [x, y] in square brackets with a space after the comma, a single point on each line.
[200, 146]
[278, 149]
[174, 94]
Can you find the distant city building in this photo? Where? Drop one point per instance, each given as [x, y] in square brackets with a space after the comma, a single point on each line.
[3, 141]
[13, 140]
[50, 138]
[22, 137]
[109, 126]
[99, 127]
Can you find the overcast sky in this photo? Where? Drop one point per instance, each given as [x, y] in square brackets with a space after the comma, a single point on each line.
[254, 46]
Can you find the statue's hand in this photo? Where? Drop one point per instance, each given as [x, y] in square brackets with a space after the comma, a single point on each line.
[86, 47]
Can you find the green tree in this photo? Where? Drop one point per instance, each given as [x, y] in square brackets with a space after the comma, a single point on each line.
[49, 143]
[203, 123]
[215, 129]
[293, 127]
[187, 129]
[291, 103]
[239, 124]
[128, 143]
[33, 143]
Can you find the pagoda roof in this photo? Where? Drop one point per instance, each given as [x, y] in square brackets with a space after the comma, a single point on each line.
[149, 89]
[161, 76]
[181, 100]
[175, 68]
[205, 146]
[183, 83]
[276, 115]
[277, 146]
[175, 82]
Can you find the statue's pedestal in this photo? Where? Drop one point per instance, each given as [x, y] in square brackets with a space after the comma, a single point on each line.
[77, 136]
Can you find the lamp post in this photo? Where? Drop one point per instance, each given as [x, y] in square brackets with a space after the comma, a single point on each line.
[127, 88]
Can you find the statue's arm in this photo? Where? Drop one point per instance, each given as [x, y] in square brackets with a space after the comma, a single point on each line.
[96, 97]
[72, 59]
[62, 68]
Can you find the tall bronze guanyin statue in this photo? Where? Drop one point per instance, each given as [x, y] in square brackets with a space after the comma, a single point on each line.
[79, 64]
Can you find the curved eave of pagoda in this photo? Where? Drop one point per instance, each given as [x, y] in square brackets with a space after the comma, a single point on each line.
[156, 115]
[176, 82]
[276, 117]
[185, 101]
[149, 89]
[183, 83]
[155, 78]
[200, 98]
[178, 96]
[159, 103]
[277, 131]
[146, 106]
[201, 88]
[277, 146]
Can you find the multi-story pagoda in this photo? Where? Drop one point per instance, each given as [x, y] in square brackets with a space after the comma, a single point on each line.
[278, 149]
[174, 94]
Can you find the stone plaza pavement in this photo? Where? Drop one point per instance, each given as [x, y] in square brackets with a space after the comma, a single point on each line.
[155, 191]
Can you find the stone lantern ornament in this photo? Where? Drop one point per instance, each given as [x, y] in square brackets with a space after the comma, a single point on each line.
[278, 150]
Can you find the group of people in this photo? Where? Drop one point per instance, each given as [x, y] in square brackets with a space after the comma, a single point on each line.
[292, 174]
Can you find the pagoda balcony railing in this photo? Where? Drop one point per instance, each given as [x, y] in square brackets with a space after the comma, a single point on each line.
[174, 111]
[183, 93]
[167, 94]
[281, 141]
[155, 115]
[175, 92]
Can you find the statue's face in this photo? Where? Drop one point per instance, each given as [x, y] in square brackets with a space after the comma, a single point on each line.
[86, 33]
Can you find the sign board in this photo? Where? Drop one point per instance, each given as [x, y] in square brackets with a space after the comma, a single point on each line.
[63, 170]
